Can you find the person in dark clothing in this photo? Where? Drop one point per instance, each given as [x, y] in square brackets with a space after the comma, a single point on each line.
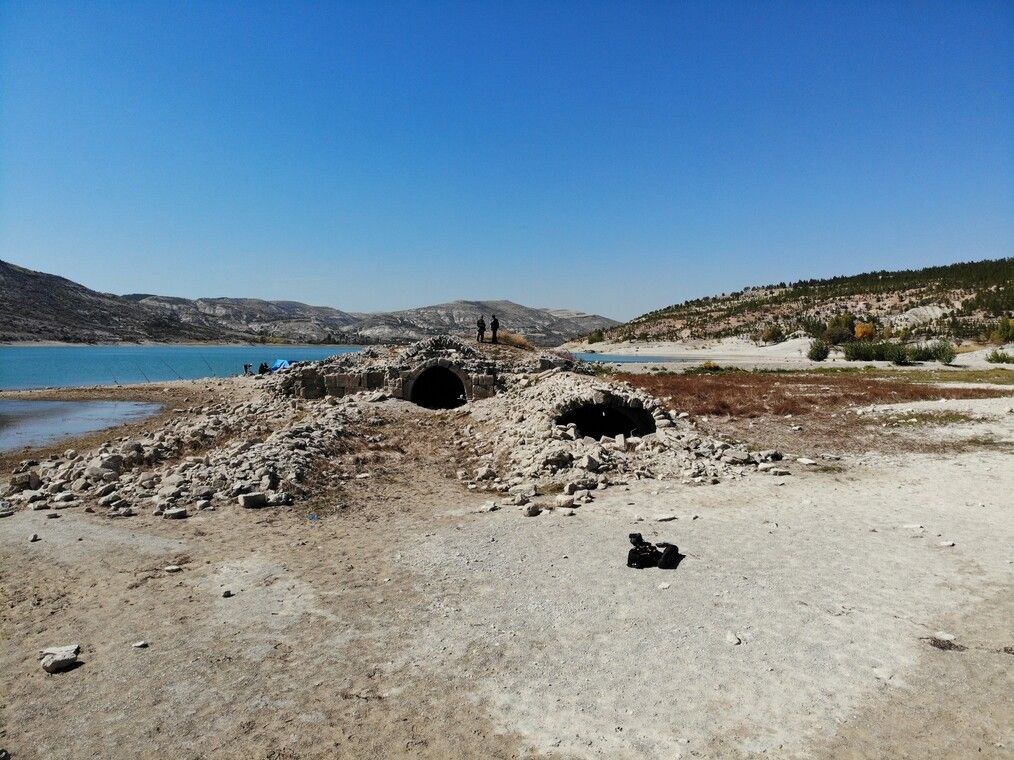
[494, 326]
[263, 369]
[247, 370]
[480, 327]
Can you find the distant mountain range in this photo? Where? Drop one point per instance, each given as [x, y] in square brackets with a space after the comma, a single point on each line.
[959, 300]
[35, 306]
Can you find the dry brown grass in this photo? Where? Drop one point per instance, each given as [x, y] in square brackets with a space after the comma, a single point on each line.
[515, 340]
[750, 394]
[804, 411]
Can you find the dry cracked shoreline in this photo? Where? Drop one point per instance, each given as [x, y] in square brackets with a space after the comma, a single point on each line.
[390, 596]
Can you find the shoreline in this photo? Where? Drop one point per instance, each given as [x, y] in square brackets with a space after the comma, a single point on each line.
[170, 395]
[745, 354]
[31, 424]
[161, 344]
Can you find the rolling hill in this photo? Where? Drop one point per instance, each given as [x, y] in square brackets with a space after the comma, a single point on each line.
[35, 306]
[957, 300]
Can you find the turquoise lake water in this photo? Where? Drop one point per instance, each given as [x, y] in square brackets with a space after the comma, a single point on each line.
[23, 367]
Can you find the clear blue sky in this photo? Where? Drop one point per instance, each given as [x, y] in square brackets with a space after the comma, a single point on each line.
[613, 157]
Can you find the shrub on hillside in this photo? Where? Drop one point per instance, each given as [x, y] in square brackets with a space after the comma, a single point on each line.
[921, 353]
[841, 328]
[855, 351]
[819, 350]
[1004, 331]
[944, 351]
[941, 351]
[1000, 357]
[773, 334]
[864, 351]
[895, 353]
[597, 336]
[865, 331]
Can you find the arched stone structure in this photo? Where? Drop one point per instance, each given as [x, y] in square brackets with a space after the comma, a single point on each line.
[437, 384]
[606, 415]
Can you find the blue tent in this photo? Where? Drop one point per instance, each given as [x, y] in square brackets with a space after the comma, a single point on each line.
[280, 364]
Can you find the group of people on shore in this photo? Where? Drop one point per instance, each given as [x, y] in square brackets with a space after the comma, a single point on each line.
[494, 328]
[261, 370]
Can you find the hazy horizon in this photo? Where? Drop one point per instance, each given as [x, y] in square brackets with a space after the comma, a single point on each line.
[604, 157]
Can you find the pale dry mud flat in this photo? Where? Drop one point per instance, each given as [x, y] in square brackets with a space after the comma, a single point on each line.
[827, 581]
[416, 625]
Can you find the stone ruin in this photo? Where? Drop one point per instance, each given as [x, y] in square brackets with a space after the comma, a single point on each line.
[438, 373]
[543, 426]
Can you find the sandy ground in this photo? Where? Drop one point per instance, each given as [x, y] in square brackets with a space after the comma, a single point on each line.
[410, 623]
[740, 352]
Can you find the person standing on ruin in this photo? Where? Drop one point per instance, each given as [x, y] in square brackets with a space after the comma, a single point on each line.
[480, 327]
[494, 326]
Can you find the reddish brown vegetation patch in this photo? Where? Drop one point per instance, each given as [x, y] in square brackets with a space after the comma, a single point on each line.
[800, 412]
[757, 394]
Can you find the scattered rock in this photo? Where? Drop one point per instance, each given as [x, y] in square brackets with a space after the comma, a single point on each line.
[732, 638]
[58, 659]
[253, 500]
[140, 644]
[175, 513]
[736, 456]
[947, 645]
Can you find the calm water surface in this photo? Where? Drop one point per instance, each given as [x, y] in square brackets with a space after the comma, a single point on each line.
[23, 367]
[630, 358]
[38, 423]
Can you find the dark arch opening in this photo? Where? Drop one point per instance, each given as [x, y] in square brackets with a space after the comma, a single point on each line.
[597, 420]
[438, 388]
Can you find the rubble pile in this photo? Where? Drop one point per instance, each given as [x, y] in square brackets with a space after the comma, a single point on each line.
[519, 447]
[548, 430]
[258, 452]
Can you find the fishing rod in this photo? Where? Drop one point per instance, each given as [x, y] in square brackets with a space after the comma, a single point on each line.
[171, 369]
[206, 364]
[143, 374]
